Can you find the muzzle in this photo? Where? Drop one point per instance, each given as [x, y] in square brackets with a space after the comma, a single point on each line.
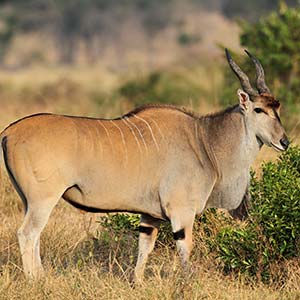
[284, 142]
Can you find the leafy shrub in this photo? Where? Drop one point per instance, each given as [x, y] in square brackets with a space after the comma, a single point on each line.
[120, 222]
[276, 199]
[237, 248]
[272, 233]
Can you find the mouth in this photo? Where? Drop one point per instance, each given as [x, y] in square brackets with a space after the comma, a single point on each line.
[277, 147]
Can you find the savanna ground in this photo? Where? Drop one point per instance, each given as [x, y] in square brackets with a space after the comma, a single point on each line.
[81, 260]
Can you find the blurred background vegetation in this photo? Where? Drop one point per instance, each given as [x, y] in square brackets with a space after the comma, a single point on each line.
[103, 57]
[77, 29]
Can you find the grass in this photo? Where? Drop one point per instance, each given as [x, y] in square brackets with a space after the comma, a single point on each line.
[82, 263]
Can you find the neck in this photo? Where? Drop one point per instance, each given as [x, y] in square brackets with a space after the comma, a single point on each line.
[229, 139]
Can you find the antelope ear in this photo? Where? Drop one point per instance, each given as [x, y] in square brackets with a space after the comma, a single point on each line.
[244, 99]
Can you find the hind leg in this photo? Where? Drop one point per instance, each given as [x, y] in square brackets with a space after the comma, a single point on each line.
[148, 232]
[29, 235]
[40, 186]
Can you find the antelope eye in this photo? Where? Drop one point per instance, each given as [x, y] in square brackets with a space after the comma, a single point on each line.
[258, 110]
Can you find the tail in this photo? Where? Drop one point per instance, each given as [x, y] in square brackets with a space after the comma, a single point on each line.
[2, 135]
[4, 157]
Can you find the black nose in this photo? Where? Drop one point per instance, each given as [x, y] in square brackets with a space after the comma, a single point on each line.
[284, 142]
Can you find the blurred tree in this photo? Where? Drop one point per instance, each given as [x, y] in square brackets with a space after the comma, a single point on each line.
[7, 29]
[92, 22]
[275, 40]
[250, 10]
[70, 16]
[80, 20]
[155, 16]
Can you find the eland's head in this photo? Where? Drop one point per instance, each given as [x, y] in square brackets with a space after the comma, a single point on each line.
[260, 107]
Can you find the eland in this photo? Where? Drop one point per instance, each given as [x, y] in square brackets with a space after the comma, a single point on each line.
[159, 161]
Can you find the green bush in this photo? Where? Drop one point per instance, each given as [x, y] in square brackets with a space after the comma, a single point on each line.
[237, 247]
[276, 203]
[272, 234]
[120, 222]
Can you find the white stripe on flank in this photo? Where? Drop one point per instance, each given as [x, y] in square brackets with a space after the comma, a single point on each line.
[197, 140]
[123, 140]
[196, 131]
[99, 140]
[132, 131]
[148, 125]
[141, 135]
[107, 133]
[160, 132]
